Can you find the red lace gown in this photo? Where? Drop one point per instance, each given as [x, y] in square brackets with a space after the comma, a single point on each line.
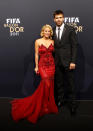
[42, 101]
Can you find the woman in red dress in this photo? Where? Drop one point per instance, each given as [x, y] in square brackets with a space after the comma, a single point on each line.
[42, 101]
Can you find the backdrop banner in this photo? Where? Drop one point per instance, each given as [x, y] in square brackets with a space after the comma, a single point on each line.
[20, 25]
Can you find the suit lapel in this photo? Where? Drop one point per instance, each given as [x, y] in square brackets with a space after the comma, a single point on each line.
[63, 33]
[55, 36]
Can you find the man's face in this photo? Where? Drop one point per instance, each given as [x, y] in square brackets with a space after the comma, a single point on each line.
[59, 19]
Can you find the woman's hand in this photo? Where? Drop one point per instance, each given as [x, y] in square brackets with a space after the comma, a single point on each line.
[36, 70]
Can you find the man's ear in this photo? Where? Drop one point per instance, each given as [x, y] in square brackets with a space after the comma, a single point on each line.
[54, 19]
[63, 18]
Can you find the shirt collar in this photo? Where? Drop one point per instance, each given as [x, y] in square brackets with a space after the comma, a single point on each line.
[61, 27]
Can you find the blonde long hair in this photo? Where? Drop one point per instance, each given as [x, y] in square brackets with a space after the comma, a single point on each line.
[43, 28]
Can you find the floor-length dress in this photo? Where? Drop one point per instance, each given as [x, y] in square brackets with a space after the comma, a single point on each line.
[42, 101]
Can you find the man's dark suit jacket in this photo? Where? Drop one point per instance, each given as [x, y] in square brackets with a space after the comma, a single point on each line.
[66, 50]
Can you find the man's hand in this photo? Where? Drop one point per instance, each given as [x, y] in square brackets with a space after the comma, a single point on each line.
[72, 66]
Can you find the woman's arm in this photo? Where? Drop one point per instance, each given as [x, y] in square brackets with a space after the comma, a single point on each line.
[53, 53]
[36, 56]
[52, 42]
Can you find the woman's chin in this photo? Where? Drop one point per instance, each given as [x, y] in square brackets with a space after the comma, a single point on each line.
[47, 37]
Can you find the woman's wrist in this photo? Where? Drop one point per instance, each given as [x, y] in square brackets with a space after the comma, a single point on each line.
[36, 66]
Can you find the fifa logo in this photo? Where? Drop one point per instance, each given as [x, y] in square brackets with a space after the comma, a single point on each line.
[13, 25]
[74, 21]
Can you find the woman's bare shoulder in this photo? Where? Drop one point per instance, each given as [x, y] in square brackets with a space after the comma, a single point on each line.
[38, 41]
[52, 41]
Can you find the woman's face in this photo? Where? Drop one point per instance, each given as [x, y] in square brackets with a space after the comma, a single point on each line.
[47, 32]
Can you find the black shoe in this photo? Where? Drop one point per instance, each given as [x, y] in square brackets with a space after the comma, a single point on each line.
[73, 111]
[73, 105]
[59, 104]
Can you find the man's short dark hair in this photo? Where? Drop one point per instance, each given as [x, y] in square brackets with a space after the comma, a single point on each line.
[57, 12]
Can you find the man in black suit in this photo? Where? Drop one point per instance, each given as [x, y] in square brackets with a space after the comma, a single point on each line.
[65, 44]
